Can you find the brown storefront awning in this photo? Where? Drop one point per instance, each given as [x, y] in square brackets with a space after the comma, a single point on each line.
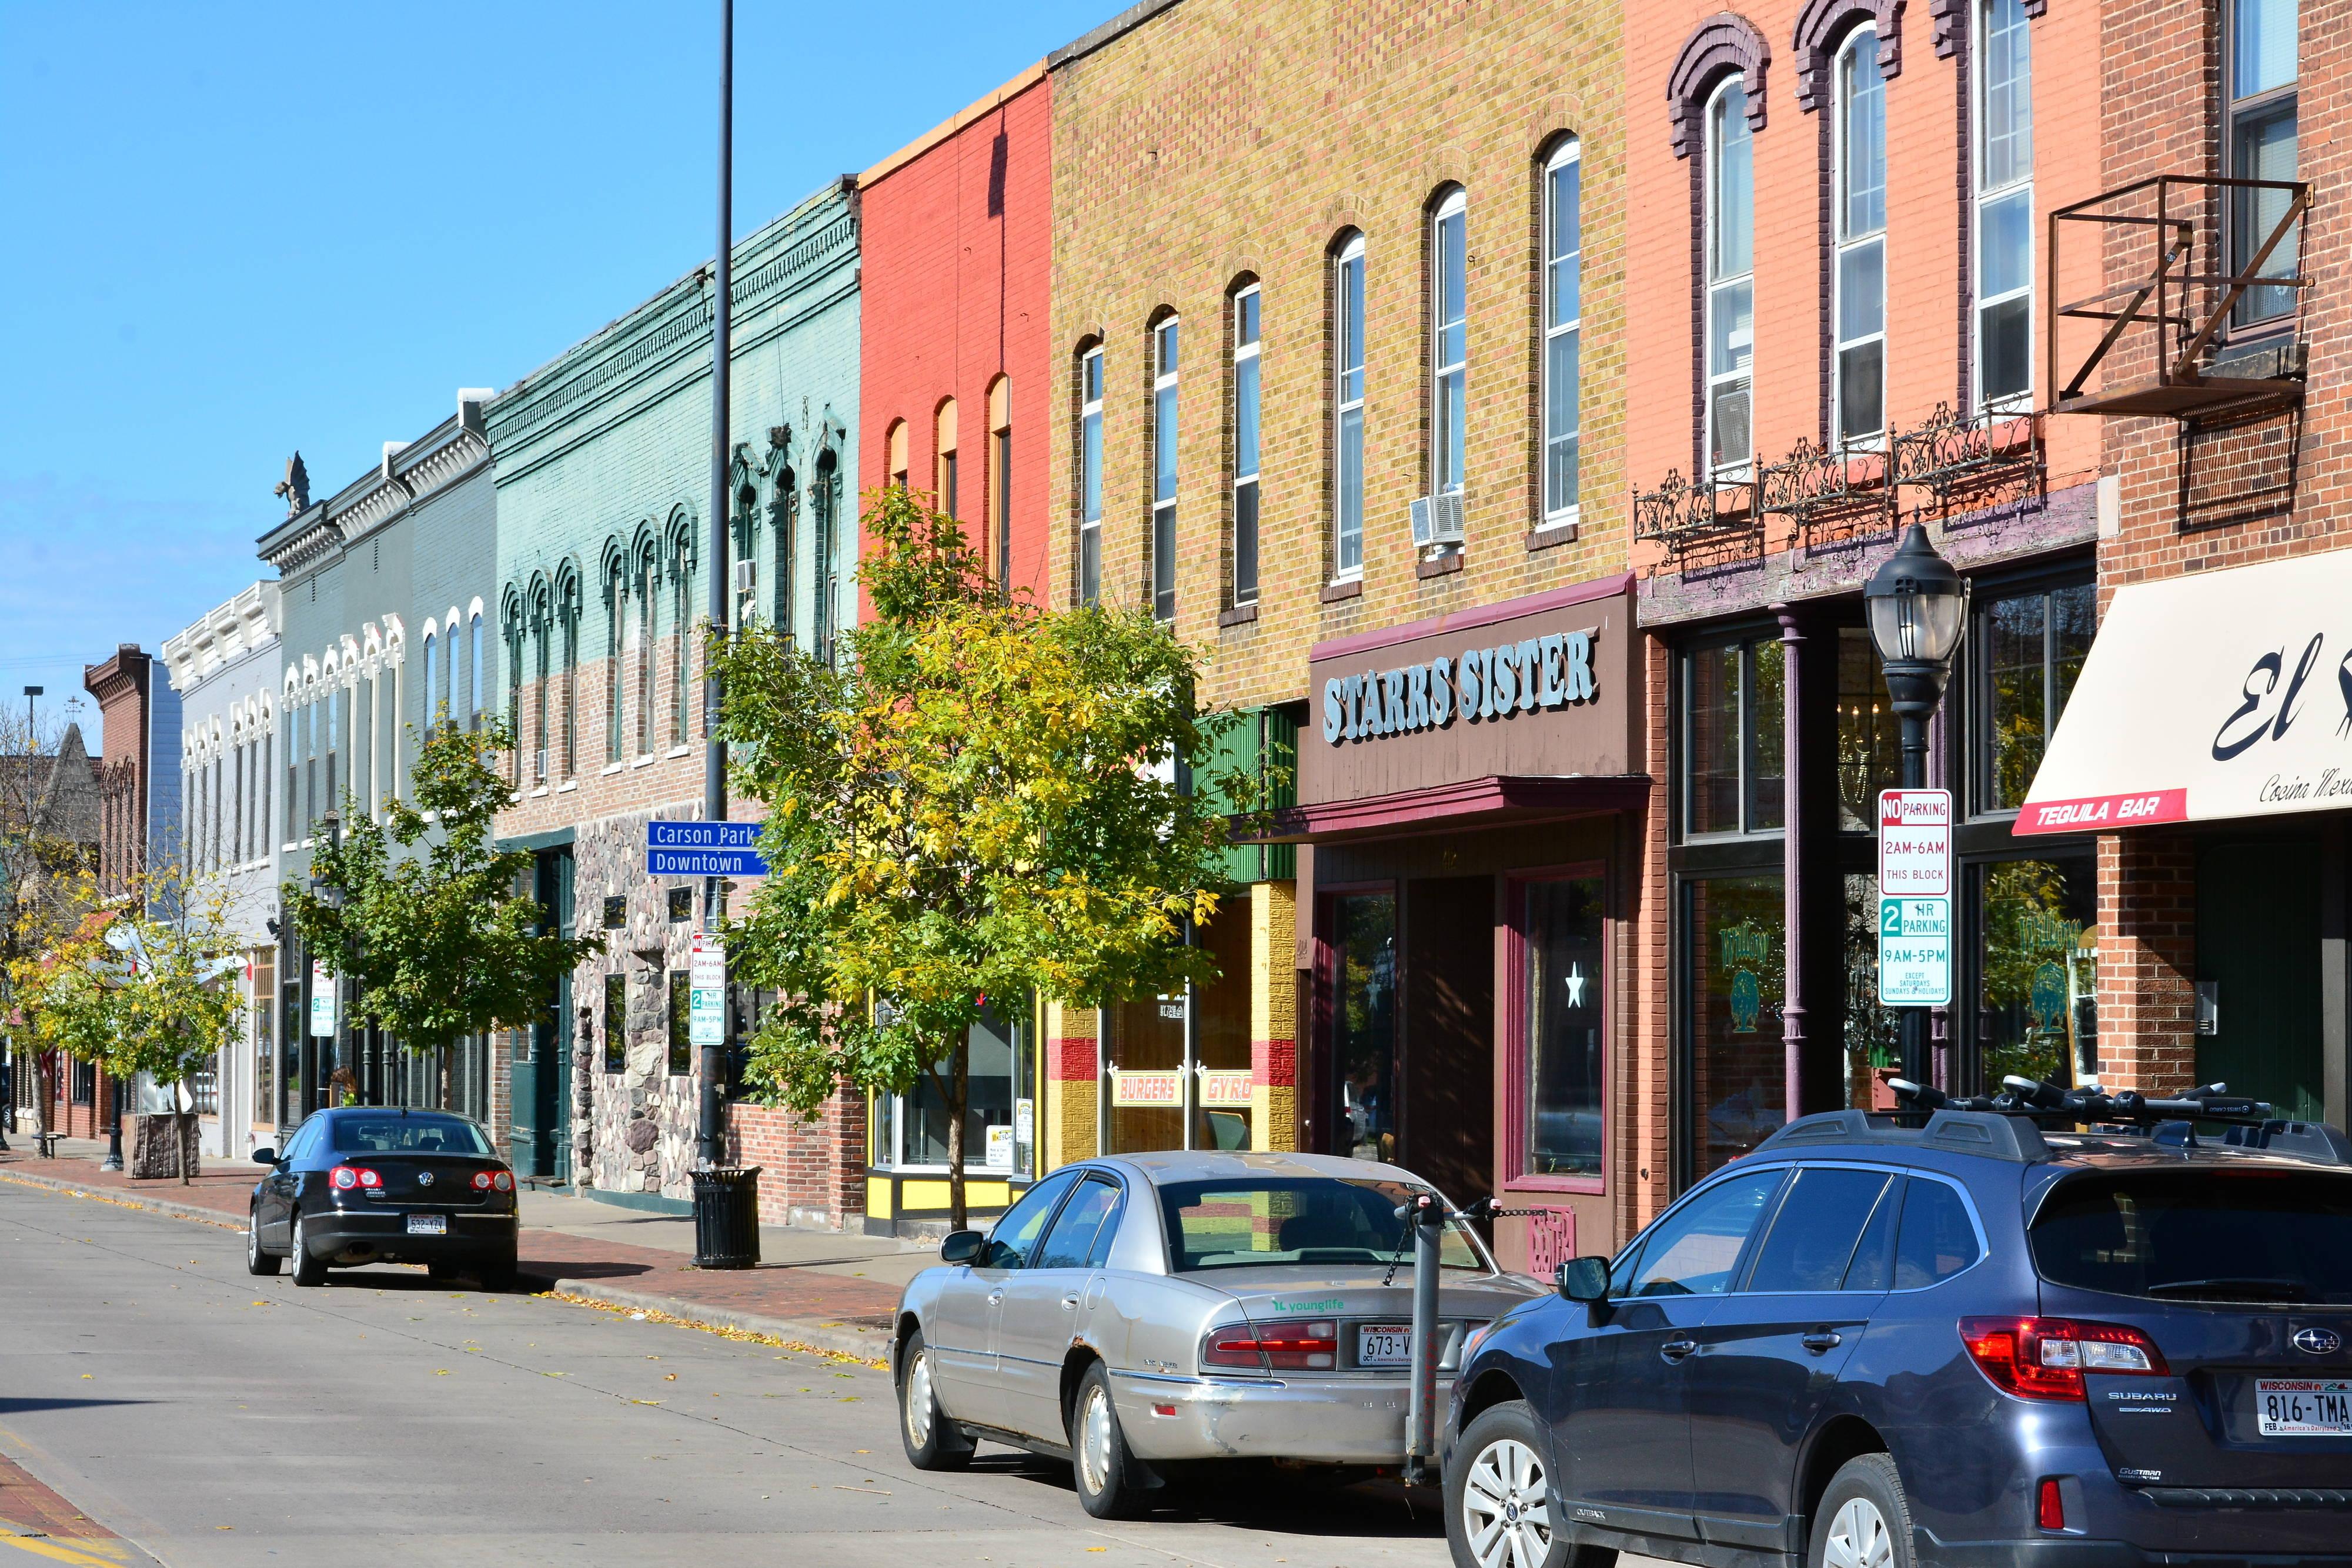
[1498, 801]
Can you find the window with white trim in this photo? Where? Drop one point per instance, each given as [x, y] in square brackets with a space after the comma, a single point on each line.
[1163, 470]
[1246, 389]
[2258, 78]
[2004, 204]
[1563, 262]
[1730, 210]
[1348, 410]
[1859, 213]
[1090, 477]
[1449, 341]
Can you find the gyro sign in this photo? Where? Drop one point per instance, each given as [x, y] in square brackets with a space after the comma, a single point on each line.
[1478, 685]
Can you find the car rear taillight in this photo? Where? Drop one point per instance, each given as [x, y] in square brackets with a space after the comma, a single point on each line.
[345, 1177]
[481, 1181]
[2050, 1508]
[2045, 1358]
[1284, 1347]
[503, 1181]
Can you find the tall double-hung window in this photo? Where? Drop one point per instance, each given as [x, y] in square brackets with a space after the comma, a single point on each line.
[1348, 410]
[1860, 213]
[2004, 353]
[1163, 470]
[1090, 485]
[1246, 389]
[1563, 267]
[1449, 341]
[2259, 77]
[617, 611]
[681, 644]
[1730, 243]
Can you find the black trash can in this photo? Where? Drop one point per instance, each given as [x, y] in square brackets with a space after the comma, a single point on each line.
[726, 1218]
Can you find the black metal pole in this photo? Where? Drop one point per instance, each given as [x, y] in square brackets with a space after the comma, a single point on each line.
[1914, 777]
[714, 750]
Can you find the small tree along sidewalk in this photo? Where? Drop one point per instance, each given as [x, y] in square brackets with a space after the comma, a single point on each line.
[427, 914]
[979, 798]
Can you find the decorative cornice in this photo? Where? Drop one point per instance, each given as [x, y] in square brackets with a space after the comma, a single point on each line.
[1822, 27]
[1725, 42]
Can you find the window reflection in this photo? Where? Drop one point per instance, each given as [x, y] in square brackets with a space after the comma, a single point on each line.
[1869, 738]
[1736, 958]
[2037, 1011]
[1364, 1023]
[1874, 1047]
[2031, 648]
[1564, 1039]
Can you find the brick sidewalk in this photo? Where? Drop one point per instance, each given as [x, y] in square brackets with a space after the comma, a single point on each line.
[830, 1310]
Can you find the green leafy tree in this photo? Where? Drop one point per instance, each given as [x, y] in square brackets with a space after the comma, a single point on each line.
[426, 914]
[980, 800]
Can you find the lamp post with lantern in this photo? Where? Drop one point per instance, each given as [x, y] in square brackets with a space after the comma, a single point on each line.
[1918, 607]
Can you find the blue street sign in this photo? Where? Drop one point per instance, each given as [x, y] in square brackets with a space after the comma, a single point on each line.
[704, 862]
[702, 835]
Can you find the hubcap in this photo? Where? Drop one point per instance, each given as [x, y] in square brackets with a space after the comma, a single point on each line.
[919, 1400]
[1094, 1440]
[1859, 1537]
[1506, 1508]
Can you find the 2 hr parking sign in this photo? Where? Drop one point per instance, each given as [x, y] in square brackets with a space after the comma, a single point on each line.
[1914, 898]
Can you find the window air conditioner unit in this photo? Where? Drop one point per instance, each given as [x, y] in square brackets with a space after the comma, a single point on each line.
[747, 577]
[1437, 520]
[539, 764]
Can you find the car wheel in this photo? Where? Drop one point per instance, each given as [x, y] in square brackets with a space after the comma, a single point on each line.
[1864, 1521]
[498, 1273]
[932, 1439]
[1107, 1473]
[1500, 1497]
[307, 1270]
[257, 1260]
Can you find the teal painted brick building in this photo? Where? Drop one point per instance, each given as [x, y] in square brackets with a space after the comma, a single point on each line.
[601, 467]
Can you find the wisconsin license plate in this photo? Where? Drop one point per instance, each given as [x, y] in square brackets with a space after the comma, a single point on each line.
[1384, 1344]
[2304, 1407]
[428, 1224]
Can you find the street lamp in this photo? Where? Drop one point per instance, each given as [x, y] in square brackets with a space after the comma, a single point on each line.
[1917, 606]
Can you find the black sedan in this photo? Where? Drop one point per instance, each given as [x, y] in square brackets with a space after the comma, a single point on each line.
[386, 1184]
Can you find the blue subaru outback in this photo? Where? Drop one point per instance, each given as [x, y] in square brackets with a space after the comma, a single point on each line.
[1994, 1338]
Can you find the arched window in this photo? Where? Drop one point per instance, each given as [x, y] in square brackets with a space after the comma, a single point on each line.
[896, 458]
[999, 477]
[1347, 408]
[1730, 279]
[1163, 469]
[641, 639]
[825, 500]
[1563, 262]
[943, 429]
[432, 675]
[567, 611]
[2004, 200]
[785, 514]
[474, 671]
[542, 667]
[1449, 341]
[1242, 553]
[681, 641]
[1090, 474]
[616, 610]
[1859, 211]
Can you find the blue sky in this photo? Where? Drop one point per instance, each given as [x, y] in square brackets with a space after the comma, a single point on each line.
[233, 231]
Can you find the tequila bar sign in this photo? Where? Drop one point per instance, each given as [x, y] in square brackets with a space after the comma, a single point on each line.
[1479, 686]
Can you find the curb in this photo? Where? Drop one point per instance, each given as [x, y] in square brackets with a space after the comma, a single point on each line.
[866, 1345]
[152, 1205]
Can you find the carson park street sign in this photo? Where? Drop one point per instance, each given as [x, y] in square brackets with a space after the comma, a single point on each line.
[704, 849]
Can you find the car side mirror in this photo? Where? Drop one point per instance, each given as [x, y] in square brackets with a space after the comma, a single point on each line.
[961, 1245]
[1585, 1280]
[265, 1156]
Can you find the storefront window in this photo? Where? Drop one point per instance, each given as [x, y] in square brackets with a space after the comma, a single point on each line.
[1563, 1050]
[1363, 1021]
[2037, 1007]
[1869, 738]
[1734, 944]
[1734, 727]
[1000, 1115]
[2030, 649]
[1872, 1034]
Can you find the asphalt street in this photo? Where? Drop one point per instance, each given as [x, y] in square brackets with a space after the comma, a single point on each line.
[210, 1417]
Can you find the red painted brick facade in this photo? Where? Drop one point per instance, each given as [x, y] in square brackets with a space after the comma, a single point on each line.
[957, 258]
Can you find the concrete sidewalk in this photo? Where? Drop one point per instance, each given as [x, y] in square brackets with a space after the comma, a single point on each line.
[815, 1288]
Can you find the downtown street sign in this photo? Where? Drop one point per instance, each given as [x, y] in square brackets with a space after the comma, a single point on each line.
[704, 849]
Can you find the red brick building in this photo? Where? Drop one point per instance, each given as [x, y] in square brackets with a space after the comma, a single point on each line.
[1835, 327]
[955, 331]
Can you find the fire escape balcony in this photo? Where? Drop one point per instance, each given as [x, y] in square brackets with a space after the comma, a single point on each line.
[2184, 355]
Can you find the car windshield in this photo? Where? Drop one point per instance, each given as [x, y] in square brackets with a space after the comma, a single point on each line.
[2268, 1235]
[430, 1134]
[1247, 1222]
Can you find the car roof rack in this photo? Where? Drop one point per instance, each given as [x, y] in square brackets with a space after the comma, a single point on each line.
[1958, 1131]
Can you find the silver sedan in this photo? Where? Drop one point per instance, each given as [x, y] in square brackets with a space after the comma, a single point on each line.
[1145, 1313]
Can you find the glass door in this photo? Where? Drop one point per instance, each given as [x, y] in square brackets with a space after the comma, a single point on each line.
[1361, 984]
